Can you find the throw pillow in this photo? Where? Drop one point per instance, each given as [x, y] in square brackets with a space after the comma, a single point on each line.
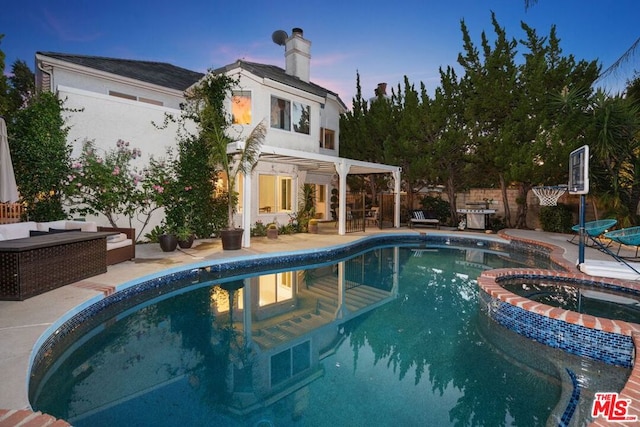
[60, 230]
[37, 233]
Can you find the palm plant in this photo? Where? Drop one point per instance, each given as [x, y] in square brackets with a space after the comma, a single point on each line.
[238, 162]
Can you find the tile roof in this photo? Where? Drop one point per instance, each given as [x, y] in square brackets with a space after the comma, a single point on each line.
[167, 75]
[278, 74]
[158, 73]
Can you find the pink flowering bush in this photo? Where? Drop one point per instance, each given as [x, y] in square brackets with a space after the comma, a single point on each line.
[108, 184]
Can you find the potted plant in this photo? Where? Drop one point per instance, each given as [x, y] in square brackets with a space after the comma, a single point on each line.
[185, 236]
[313, 226]
[168, 239]
[207, 100]
[272, 231]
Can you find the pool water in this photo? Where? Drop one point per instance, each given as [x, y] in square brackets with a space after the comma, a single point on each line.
[582, 298]
[390, 336]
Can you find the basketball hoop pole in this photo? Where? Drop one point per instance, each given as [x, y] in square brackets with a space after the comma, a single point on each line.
[583, 198]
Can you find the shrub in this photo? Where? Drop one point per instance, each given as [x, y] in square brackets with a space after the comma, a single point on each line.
[258, 230]
[438, 206]
[557, 219]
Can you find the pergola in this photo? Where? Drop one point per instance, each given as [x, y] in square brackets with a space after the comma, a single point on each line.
[321, 164]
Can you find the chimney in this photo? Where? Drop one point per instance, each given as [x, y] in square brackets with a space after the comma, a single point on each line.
[297, 53]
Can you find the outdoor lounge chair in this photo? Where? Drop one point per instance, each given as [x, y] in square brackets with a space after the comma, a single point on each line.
[626, 236]
[426, 218]
[594, 229]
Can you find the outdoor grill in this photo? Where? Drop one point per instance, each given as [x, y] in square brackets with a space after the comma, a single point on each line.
[476, 213]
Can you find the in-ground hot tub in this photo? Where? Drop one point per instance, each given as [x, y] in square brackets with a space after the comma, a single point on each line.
[596, 337]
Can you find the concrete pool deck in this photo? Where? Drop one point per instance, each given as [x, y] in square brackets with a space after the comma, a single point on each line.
[23, 322]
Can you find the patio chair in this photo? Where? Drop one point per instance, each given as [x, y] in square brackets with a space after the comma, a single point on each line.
[626, 236]
[594, 229]
[372, 215]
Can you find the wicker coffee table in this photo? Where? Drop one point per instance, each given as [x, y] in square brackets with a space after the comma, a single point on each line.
[38, 264]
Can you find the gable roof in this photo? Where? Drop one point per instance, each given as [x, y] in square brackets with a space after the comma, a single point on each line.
[279, 75]
[157, 73]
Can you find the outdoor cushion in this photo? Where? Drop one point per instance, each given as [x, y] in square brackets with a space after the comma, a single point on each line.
[418, 215]
[116, 238]
[120, 244]
[17, 230]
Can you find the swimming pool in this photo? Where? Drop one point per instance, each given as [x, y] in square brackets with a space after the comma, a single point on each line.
[387, 335]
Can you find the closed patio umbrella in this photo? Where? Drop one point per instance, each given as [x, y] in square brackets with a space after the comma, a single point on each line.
[8, 187]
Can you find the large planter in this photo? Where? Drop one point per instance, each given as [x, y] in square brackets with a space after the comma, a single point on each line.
[313, 228]
[168, 242]
[272, 233]
[231, 239]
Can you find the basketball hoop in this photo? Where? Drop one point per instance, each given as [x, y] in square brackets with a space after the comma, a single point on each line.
[549, 195]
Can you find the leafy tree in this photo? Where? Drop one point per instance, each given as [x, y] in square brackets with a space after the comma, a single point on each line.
[4, 84]
[363, 131]
[200, 210]
[489, 85]
[406, 145]
[23, 85]
[40, 154]
[450, 149]
[613, 135]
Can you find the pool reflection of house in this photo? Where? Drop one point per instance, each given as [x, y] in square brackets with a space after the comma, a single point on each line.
[243, 359]
[294, 322]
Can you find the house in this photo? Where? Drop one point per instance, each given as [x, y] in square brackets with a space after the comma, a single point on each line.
[111, 99]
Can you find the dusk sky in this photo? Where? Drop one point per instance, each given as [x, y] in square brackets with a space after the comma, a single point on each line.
[384, 41]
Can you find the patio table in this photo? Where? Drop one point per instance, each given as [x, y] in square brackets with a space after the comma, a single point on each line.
[33, 265]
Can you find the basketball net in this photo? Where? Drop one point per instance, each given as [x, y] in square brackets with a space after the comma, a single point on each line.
[549, 195]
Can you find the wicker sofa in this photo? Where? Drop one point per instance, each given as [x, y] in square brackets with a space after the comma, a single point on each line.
[120, 247]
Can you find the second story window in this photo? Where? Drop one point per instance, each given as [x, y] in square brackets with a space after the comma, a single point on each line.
[301, 115]
[327, 139]
[241, 107]
[134, 98]
[280, 113]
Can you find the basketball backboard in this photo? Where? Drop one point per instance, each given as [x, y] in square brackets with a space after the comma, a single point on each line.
[579, 171]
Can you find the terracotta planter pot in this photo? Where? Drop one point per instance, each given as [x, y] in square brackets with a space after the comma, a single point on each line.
[313, 228]
[168, 242]
[272, 233]
[231, 239]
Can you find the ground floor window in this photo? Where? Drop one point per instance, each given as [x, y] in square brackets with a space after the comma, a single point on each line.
[275, 194]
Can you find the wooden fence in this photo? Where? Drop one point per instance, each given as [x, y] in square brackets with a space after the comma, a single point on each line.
[11, 212]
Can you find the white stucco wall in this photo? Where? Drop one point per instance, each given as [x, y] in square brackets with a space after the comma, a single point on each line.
[103, 83]
[261, 92]
[105, 119]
